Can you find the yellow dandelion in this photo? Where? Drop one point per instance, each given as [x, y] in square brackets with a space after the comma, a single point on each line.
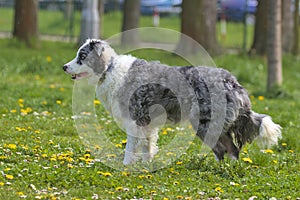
[179, 197]
[50, 142]
[175, 183]
[13, 111]
[152, 192]
[44, 102]
[179, 163]
[97, 147]
[20, 193]
[284, 144]
[20, 100]
[97, 102]
[261, 98]
[118, 145]
[234, 184]
[291, 151]
[268, 151]
[119, 188]
[70, 166]
[149, 176]
[58, 102]
[9, 177]
[44, 155]
[53, 159]
[125, 173]
[11, 146]
[37, 77]
[49, 58]
[107, 174]
[2, 157]
[124, 141]
[247, 160]
[275, 161]
[52, 86]
[62, 89]
[111, 155]
[165, 198]
[169, 129]
[141, 176]
[219, 189]
[1, 183]
[140, 187]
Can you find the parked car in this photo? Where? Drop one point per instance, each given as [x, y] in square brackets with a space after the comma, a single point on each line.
[237, 10]
[164, 7]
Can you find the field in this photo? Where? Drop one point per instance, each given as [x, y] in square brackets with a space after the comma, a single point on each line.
[42, 156]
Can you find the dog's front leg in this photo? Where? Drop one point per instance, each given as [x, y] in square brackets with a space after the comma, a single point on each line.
[132, 150]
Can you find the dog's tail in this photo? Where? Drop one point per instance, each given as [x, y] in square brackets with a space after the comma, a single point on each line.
[269, 132]
[257, 126]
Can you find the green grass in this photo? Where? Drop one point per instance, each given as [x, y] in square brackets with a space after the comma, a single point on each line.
[42, 156]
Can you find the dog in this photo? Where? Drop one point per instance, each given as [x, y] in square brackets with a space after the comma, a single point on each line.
[141, 94]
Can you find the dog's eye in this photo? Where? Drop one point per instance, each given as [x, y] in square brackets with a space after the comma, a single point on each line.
[82, 56]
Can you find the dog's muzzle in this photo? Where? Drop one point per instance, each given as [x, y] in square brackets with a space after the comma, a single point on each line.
[65, 67]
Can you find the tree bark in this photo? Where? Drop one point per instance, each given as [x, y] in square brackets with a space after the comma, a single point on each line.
[26, 21]
[295, 50]
[198, 21]
[131, 16]
[274, 41]
[259, 45]
[89, 21]
[287, 26]
[101, 13]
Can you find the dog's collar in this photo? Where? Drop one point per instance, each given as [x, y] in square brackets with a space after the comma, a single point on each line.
[110, 67]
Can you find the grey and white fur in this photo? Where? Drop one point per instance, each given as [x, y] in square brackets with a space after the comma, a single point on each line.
[130, 88]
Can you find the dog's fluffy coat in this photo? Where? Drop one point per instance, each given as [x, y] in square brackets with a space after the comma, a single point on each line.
[128, 86]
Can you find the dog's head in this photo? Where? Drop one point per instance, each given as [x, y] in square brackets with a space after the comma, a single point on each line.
[92, 60]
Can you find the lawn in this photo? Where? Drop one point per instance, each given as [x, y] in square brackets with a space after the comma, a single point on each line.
[42, 156]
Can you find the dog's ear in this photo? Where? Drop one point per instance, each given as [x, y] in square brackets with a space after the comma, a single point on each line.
[97, 46]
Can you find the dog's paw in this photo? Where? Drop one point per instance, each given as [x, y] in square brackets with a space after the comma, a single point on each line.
[130, 158]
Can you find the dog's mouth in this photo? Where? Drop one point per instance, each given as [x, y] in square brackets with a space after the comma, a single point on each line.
[80, 75]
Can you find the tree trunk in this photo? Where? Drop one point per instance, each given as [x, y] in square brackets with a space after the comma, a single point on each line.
[198, 21]
[101, 12]
[287, 26]
[295, 50]
[131, 16]
[274, 46]
[89, 21]
[69, 9]
[26, 21]
[259, 45]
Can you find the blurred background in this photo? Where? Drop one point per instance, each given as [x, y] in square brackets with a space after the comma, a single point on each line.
[220, 26]
[233, 28]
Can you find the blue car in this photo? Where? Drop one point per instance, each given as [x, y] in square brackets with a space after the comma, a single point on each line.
[164, 7]
[237, 10]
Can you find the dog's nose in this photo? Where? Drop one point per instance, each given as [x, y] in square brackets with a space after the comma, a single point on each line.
[65, 67]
